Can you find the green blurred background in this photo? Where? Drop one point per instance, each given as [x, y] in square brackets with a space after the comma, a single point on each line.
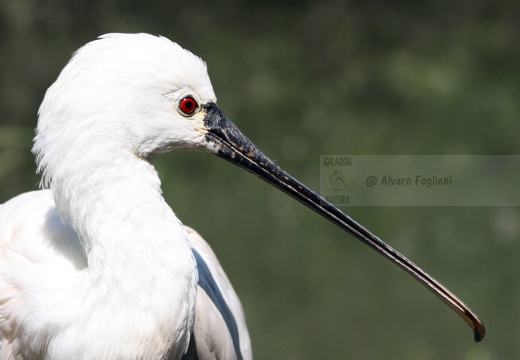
[304, 79]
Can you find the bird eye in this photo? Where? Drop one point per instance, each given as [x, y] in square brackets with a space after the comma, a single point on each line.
[187, 105]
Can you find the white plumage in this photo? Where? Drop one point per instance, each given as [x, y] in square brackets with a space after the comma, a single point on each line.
[99, 267]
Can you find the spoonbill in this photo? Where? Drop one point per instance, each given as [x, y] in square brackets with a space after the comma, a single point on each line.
[96, 265]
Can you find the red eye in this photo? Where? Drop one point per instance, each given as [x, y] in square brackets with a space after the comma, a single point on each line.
[188, 105]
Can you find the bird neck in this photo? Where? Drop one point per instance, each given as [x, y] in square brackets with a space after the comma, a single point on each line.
[137, 250]
[113, 199]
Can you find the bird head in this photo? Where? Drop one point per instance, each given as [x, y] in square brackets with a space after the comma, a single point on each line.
[134, 92]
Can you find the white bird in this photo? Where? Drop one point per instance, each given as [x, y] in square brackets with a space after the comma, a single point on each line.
[97, 266]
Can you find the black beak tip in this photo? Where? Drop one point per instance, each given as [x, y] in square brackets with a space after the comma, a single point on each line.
[479, 332]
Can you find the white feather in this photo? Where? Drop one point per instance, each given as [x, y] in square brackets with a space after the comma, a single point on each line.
[98, 266]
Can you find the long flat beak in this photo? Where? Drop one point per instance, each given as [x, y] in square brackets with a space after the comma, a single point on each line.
[227, 141]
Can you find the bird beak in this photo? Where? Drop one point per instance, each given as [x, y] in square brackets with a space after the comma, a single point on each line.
[227, 141]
